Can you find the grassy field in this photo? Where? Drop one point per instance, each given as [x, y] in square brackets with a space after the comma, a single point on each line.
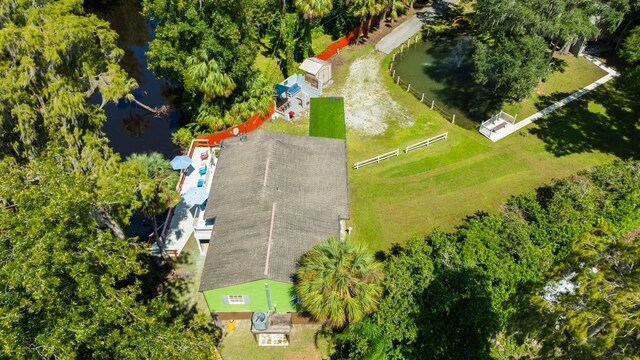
[573, 73]
[436, 187]
[327, 118]
[240, 345]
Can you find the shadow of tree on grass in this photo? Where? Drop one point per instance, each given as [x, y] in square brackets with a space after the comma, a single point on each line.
[605, 120]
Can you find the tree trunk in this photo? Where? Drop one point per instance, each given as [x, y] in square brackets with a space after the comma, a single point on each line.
[103, 217]
[565, 48]
[159, 241]
[158, 111]
[368, 25]
[383, 16]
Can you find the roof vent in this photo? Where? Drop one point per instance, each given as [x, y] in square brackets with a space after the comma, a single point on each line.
[260, 321]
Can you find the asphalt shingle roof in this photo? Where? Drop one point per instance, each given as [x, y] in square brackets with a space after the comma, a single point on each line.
[305, 177]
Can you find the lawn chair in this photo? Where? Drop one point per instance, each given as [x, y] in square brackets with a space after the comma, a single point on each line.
[204, 155]
[203, 170]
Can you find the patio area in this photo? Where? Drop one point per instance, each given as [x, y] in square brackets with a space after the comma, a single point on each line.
[186, 218]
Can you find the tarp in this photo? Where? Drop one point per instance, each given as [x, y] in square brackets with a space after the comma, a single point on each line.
[280, 89]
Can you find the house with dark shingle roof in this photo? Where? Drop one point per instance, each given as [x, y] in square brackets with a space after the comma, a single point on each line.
[273, 197]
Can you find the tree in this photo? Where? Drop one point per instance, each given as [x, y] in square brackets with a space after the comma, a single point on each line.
[312, 10]
[630, 50]
[218, 43]
[53, 59]
[155, 190]
[390, 6]
[511, 67]
[365, 10]
[339, 282]
[70, 289]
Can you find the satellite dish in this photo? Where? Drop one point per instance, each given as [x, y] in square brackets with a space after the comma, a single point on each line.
[235, 131]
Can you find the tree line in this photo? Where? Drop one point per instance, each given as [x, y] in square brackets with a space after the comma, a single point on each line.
[210, 48]
[551, 275]
[515, 41]
[73, 284]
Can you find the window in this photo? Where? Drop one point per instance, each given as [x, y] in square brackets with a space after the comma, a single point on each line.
[236, 300]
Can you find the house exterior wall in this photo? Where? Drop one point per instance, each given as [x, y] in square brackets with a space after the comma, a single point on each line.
[254, 292]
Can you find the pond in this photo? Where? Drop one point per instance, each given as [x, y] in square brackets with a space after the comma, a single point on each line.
[442, 69]
[130, 128]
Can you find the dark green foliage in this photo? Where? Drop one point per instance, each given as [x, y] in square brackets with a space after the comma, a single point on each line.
[447, 295]
[211, 46]
[511, 67]
[71, 288]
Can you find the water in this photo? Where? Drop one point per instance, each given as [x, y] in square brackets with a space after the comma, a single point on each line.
[130, 128]
[444, 73]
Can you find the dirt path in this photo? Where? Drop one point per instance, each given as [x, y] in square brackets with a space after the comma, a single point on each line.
[368, 104]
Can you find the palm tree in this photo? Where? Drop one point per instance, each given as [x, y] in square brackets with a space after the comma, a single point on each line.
[156, 189]
[203, 74]
[390, 6]
[312, 10]
[339, 282]
[366, 9]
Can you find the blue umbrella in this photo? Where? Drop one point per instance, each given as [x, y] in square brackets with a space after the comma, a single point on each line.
[180, 162]
[195, 196]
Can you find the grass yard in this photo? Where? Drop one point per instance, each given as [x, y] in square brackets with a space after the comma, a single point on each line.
[574, 73]
[436, 187]
[240, 345]
[327, 117]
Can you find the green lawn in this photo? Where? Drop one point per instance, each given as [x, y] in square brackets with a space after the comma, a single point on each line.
[436, 187]
[573, 74]
[327, 117]
[240, 345]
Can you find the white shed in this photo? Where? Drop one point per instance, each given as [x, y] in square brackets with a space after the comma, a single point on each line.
[316, 70]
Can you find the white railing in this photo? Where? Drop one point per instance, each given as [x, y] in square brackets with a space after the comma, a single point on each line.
[376, 159]
[427, 142]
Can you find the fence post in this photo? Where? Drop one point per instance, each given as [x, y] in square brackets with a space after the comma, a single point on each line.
[398, 82]
[408, 42]
[422, 99]
[394, 74]
[428, 32]
[401, 48]
[515, 119]
[394, 58]
[432, 103]
[408, 87]
[453, 121]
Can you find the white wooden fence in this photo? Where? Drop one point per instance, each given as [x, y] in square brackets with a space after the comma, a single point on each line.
[376, 159]
[427, 142]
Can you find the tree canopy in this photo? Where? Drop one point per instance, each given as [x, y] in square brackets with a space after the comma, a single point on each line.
[71, 289]
[470, 292]
[338, 282]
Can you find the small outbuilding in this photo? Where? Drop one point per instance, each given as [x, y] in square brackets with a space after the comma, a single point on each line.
[316, 70]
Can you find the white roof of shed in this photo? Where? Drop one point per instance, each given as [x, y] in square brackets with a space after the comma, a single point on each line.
[313, 65]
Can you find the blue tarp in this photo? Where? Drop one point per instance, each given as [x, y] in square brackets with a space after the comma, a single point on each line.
[293, 89]
[280, 89]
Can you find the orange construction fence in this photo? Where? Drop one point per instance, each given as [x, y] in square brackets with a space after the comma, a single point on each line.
[253, 123]
[256, 120]
[345, 40]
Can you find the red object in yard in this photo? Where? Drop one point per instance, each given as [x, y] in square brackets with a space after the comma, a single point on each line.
[291, 113]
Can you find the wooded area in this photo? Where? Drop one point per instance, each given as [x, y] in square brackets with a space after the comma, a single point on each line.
[75, 286]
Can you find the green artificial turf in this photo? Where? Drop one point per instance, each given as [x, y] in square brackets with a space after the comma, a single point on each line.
[327, 117]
